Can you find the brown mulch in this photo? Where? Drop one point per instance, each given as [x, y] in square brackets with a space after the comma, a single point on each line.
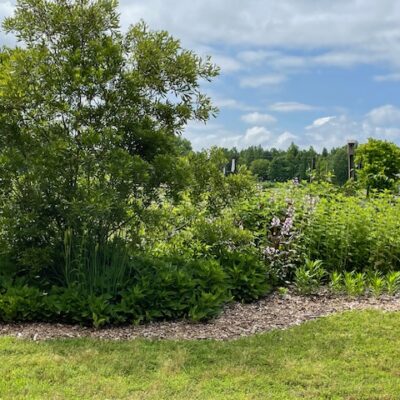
[237, 320]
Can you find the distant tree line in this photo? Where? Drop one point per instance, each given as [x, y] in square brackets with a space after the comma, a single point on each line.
[281, 165]
[377, 163]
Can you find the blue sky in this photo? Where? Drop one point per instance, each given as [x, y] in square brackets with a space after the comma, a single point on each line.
[316, 72]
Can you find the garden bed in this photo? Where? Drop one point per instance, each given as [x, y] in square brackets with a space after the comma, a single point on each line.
[237, 320]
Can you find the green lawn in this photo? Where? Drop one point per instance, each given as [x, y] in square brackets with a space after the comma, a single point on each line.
[355, 355]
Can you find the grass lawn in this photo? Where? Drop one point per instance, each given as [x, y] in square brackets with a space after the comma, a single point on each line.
[355, 355]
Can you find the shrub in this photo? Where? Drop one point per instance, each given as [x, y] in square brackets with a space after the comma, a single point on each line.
[354, 283]
[22, 303]
[376, 283]
[95, 163]
[198, 258]
[174, 289]
[336, 282]
[393, 283]
[71, 305]
[247, 276]
[155, 289]
[354, 233]
[308, 278]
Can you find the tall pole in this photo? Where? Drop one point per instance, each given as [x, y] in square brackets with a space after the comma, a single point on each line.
[351, 146]
[233, 166]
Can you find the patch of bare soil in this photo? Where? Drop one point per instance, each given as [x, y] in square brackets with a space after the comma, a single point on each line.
[237, 320]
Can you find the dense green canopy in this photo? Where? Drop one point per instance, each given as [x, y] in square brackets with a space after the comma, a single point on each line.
[89, 121]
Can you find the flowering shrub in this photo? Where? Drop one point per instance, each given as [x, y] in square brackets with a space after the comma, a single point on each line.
[280, 253]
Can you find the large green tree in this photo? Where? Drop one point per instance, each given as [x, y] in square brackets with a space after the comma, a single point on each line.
[380, 164]
[260, 168]
[339, 162]
[89, 121]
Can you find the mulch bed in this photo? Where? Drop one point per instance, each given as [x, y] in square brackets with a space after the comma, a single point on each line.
[237, 320]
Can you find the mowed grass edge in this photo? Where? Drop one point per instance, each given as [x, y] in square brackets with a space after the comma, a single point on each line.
[353, 355]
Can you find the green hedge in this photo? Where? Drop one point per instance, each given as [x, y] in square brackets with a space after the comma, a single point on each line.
[154, 289]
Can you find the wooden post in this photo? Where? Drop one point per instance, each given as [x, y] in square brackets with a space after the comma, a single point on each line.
[351, 147]
[233, 166]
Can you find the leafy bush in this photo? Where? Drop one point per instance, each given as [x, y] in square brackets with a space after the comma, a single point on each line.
[247, 276]
[156, 289]
[376, 283]
[354, 283]
[22, 303]
[174, 289]
[90, 183]
[360, 232]
[393, 283]
[336, 282]
[71, 305]
[95, 159]
[308, 278]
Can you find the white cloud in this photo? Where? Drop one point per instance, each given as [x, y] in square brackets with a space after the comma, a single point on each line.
[257, 135]
[212, 134]
[226, 64]
[395, 77]
[328, 131]
[384, 115]
[258, 118]
[262, 80]
[333, 131]
[344, 58]
[280, 37]
[274, 59]
[229, 103]
[392, 134]
[205, 136]
[381, 122]
[271, 22]
[290, 106]
[284, 140]
[6, 10]
[320, 122]
[348, 31]
[288, 62]
[256, 56]
[341, 33]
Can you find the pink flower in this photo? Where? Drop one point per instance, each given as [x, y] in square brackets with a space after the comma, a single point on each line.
[287, 226]
[275, 222]
[270, 251]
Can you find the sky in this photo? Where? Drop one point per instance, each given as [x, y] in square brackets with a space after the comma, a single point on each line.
[313, 72]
